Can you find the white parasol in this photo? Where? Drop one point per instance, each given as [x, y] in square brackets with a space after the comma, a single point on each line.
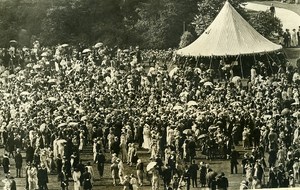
[151, 165]
[192, 103]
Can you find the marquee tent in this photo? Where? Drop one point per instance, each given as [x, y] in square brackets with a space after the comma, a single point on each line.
[229, 35]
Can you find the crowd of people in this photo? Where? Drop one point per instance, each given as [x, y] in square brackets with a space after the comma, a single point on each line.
[55, 101]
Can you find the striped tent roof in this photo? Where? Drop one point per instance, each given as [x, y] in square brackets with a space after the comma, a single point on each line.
[229, 35]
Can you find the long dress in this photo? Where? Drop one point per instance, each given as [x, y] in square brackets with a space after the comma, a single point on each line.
[32, 178]
[147, 138]
[76, 178]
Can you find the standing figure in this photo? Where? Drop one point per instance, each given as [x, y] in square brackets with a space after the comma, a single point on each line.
[32, 178]
[87, 180]
[63, 178]
[5, 164]
[140, 171]
[76, 178]
[42, 176]
[100, 160]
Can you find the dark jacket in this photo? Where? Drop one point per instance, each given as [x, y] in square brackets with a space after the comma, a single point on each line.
[42, 176]
[18, 160]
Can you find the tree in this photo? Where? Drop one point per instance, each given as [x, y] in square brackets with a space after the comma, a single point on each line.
[263, 22]
[186, 39]
[209, 9]
[160, 21]
[266, 24]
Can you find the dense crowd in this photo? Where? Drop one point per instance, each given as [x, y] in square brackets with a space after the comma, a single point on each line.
[55, 101]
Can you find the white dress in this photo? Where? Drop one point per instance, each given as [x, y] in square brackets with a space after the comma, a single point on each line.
[147, 138]
[76, 178]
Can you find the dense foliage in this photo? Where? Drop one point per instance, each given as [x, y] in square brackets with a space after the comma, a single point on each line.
[148, 23]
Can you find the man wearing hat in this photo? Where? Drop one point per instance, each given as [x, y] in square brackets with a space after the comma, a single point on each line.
[18, 161]
[5, 164]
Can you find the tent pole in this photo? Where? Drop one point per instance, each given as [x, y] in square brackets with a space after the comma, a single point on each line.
[270, 65]
[242, 72]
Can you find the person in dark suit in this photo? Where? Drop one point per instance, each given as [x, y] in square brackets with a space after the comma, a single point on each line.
[64, 181]
[59, 164]
[86, 180]
[187, 178]
[13, 185]
[222, 182]
[193, 172]
[29, 153]
[42, 176]
[167, 176]
[100, 160]
[115, 147]
[234, 161]
[18, 161]
[5, 164]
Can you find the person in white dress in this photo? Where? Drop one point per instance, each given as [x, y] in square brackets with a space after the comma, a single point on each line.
[294, 40]
[76, 178]
[147, 137]
[32, 178]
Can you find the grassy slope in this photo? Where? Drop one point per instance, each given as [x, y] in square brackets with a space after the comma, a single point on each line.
[293, 7]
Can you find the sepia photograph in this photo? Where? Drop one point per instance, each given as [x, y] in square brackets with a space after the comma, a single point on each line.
[149, 94]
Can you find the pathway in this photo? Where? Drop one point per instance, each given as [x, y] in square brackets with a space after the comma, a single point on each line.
[289, 19]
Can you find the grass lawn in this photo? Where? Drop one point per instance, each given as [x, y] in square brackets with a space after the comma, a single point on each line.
[292, 7]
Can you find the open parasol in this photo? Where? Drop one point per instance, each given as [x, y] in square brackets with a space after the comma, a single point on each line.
[86, 51]
[64, 45]
[53, 99]
[24, 93]
[192, 103]
[36, 66]
[151, 165]
[62, 124]
[202, 136]
[235, 79]
[187, 131]
[177, 108]
[72, 124]
[52, 81]
[208, 84]
[44, 54]
[58, 118]
[99, 44]
[285, 111]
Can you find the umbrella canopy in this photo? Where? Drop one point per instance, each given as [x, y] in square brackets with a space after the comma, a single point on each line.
[84, 118]
[52, 99]
[296, 114]
[73, 124]
[202, 136]
[208, 84]
[62, 124]
[173, 71]
[86, 51]
[235, 79]
[229, 35]
[177, 108]
[58, 118]
[44, 54]
[187, 131]
[99, 44]
[24, 93]
[36, 66]
[151, 165]
[64, 45]
[13, 41]
[192, 103]
[285, 111]
[52, 81]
